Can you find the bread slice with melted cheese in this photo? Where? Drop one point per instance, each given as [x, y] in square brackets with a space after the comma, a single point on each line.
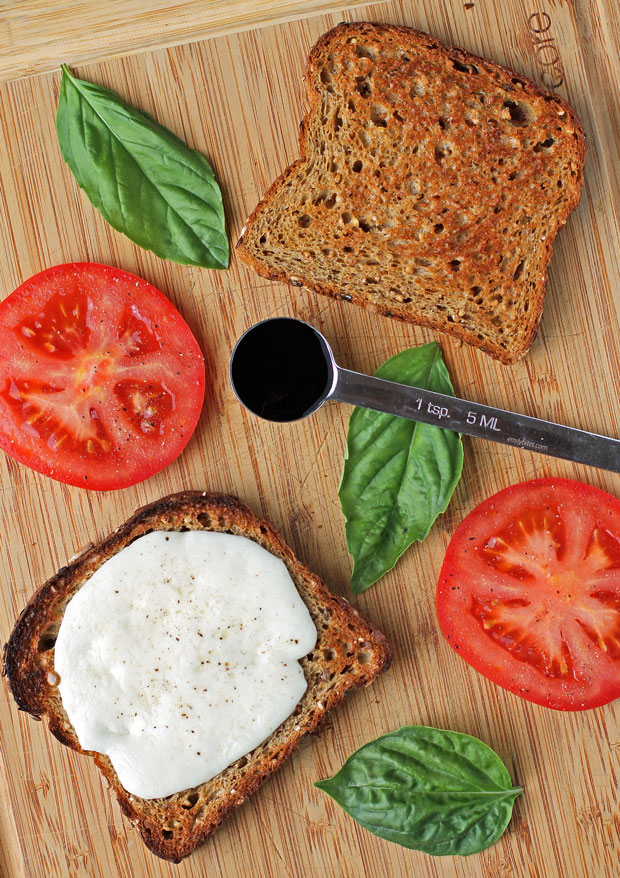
[349, 654]
[430, 187]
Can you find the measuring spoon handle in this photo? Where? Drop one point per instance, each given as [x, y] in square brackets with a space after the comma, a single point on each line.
[484, 421]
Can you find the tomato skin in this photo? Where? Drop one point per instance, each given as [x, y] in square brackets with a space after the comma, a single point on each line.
[101, 379]
[529, 592]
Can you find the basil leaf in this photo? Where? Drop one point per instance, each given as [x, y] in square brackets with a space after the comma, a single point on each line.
[398, 475]
[435, 791]
[145, 181]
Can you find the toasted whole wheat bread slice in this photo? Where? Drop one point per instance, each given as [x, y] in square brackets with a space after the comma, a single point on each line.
[349, 654]
[430, 187]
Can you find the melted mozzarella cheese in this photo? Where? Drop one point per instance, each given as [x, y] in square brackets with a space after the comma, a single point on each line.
[180, 655]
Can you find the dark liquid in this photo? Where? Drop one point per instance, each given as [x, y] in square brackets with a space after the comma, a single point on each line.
[279, 369]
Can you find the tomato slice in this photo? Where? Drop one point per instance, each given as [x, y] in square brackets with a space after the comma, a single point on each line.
[101, 379]
[529, 592]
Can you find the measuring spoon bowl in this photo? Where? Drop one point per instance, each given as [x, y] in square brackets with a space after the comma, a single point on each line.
[282, 369]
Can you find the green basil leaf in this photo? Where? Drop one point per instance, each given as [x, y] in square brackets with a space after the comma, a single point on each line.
[145, 181]
[435, 791]
[398, 475]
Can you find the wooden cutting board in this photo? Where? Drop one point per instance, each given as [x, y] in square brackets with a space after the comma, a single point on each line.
[238, 98]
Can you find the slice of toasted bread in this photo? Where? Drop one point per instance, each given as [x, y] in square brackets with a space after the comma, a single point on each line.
[430, 187]
[349, 653]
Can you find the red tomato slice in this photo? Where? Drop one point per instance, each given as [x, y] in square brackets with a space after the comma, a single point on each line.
[101, 379]
[529, 592]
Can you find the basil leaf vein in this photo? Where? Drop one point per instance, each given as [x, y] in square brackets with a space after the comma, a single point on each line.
[437, 791]
[143, 179]
[398, 475]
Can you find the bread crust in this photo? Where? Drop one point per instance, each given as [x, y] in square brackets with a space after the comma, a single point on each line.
[394, 308]
[349, 654]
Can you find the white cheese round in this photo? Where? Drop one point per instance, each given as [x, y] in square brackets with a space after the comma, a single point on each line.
[180, 655]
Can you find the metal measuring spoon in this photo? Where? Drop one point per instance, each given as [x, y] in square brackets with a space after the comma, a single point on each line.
[283, 369]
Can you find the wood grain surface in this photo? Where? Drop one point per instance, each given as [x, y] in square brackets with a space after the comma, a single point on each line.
[239, 98]
[38, 35]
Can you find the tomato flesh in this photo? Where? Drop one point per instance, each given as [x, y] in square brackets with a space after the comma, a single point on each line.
[101, 379]
[529, 592]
